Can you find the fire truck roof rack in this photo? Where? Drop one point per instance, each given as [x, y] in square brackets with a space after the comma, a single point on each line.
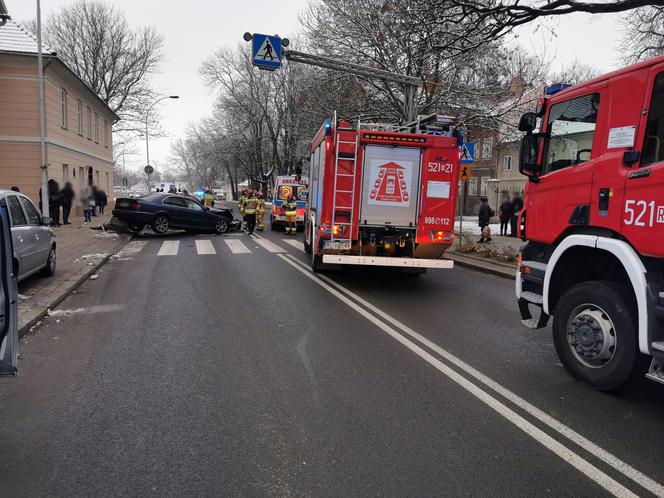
[433, 124]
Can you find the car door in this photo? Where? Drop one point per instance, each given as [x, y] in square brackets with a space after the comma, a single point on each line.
[643, 217]
[570, 148]
[198, 216]
[8, 300]
[177, 211]
[38, 231]
[24, 243]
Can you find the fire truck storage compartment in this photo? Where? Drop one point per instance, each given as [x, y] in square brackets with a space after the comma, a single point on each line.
[391, 176]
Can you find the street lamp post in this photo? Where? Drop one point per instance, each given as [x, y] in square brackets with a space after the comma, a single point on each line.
[147, 136]
[42, 118]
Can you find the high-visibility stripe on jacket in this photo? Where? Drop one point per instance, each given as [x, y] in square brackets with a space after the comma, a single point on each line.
[250, 205]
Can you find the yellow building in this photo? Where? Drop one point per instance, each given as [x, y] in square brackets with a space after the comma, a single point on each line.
[79, 146]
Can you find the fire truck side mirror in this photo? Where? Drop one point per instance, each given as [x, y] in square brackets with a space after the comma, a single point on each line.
[528, 122]
[528, 164]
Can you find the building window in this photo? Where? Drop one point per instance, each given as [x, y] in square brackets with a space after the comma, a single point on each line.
[483, 185]
[108, 185]
[96, 128]
[63, 108]
[65, 172]
[89, 111]
[81, 179]
[487, 148]
[105, 133]
[507, 163]
[472, 186]
[79, 117]
[97, 178]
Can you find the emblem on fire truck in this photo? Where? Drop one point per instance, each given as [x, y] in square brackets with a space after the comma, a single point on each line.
[390, 185]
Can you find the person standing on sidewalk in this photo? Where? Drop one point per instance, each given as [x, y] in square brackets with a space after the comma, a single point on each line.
[87, 202]
[506, 213]
[485, 215]
[517, 206]
[290, 210]
[67, 195]
[102, 200]
[54, 201]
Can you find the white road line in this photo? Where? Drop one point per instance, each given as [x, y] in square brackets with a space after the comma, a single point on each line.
[205, 247]
[540, 436]
[169, 248]
[295, 243]
[268, 246]
[134, 247]
[608, 458]
[236, 246]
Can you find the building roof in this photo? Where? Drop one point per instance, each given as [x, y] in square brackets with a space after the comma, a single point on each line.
[15, 38]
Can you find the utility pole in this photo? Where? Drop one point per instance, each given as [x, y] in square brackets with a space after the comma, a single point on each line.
[42, 117]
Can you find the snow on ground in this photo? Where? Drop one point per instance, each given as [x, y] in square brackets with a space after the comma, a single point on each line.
[470, 226]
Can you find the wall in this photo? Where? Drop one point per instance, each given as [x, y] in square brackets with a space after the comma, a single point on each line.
[19, 129]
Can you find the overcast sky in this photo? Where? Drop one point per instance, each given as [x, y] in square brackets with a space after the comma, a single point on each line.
[195, 28]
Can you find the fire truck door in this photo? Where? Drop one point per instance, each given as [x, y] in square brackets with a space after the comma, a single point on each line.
[565, 185]
[643, 216]
[389, 186]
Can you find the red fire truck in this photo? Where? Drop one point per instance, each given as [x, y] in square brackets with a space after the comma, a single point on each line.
[594, 218]
[382, 195]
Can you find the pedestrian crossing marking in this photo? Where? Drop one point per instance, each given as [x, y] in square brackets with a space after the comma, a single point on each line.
[269, 246]
[134, 247]
[169, 248]
[205, 247]
[295, 243]
[236, 246]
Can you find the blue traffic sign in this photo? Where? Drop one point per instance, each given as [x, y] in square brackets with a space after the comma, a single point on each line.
[468, 153]
[266, 51]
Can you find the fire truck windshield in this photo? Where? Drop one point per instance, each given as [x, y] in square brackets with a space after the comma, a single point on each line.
[570, 132]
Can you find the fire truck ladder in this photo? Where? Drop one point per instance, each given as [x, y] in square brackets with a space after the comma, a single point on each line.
[345, 170]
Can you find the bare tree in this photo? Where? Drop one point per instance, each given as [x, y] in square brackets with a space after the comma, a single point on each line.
[644, 34]
[95, 40]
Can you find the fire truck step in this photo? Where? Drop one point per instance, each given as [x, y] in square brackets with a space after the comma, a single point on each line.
[343, 208]
[348, 156]
[656, 371]
[344, 191]
[346, 142]
[345, 174]
[532, 297]
[659, 346]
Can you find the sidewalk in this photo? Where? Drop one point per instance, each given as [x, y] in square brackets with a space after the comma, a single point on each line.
[498, 257]
[81, 251]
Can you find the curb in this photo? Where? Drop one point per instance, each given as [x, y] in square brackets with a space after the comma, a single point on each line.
[25, 327]
[483, 265]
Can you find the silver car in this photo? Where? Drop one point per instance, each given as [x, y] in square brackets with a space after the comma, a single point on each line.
[33, 240]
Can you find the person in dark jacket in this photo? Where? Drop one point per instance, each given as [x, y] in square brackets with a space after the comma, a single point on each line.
[506, 213]
[67, 196]
[517, 206]
[102, 200]
[485, 215]
[54, 201]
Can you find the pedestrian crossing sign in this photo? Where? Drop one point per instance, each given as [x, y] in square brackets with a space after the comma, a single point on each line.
[266, 51]
[468, 153]
[465, 173]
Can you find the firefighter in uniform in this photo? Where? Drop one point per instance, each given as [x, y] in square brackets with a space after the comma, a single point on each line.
[290, 208]
[260, 212]
[240, 205]
[250, 208]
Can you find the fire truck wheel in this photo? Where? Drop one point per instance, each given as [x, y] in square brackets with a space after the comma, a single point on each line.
[307, 246]
[594, 331]
[316, 263]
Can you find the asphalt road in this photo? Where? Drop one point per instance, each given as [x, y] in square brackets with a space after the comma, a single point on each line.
[220, 366]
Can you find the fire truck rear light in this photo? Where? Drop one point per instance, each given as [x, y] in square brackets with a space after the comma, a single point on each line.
[300, 211]
[441, 235]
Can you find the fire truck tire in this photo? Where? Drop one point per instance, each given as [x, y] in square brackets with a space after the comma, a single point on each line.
[316, 263]
[307, 246]
[594, 332]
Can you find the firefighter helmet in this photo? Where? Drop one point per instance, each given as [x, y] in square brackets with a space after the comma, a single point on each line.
[260, 195]
[250, 192]
[290, 198]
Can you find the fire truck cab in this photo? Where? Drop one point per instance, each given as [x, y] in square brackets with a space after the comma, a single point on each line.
[594, 219]
[382, 195]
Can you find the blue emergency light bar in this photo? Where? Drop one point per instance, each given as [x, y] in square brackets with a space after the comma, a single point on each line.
[558, 87]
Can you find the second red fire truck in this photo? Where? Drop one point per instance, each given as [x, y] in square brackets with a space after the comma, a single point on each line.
[594, 219]
[381, 195]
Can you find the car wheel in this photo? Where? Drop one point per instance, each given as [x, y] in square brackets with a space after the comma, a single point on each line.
[221, 226]
[160, 224]
[49, 269]
[594, 332]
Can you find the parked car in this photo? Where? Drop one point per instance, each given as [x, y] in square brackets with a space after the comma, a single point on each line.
[34, 241]
[8, 300]
[165, 211]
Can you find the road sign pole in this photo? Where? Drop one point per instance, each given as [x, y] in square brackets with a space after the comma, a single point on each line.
[463, 202]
